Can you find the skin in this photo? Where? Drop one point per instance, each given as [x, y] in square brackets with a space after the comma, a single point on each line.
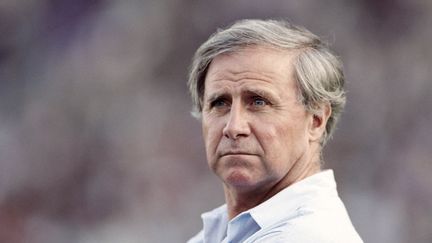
[259, 138]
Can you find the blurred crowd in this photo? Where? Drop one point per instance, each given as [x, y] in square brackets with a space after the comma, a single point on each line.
[97, 143]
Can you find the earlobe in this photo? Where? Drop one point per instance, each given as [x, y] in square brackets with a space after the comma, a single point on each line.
[319, 122]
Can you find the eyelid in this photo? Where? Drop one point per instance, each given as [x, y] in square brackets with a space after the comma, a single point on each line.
[212, 102]
[267, 101]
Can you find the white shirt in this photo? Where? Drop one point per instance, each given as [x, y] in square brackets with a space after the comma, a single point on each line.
[308, 211]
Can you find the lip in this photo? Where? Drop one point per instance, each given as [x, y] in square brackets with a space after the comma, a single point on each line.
[236, 153]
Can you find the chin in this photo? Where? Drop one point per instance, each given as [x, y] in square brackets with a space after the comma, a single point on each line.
[237, 170]
[239, 178]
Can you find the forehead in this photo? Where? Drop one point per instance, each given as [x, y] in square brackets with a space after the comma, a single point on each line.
[258, 65]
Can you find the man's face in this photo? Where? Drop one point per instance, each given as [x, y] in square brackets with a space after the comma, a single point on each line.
[255, 128]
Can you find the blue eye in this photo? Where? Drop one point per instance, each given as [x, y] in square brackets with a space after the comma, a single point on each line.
[259, 102]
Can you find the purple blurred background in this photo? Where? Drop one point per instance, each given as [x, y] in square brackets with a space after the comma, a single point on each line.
[96, 140]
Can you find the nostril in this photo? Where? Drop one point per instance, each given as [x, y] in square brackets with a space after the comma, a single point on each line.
[226, 135]
[235, 130]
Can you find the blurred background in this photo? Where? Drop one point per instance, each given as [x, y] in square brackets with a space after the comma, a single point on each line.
[97, 143]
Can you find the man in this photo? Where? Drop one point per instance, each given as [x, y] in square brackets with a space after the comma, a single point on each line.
[269, 94]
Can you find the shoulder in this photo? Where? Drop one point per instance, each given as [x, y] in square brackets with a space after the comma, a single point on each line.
[311, 229]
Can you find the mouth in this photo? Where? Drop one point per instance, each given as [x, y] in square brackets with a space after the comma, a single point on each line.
[236, 153]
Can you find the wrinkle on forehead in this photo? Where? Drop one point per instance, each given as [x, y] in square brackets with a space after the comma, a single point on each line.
[234, 76]
[253, 67]
[256, 63]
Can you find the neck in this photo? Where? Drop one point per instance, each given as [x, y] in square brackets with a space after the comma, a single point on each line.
[240, 200]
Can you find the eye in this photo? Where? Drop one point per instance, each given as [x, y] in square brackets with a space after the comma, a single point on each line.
[258, 101]
[218, 103]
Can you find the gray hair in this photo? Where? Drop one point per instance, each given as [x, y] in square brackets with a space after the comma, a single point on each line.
[317, 70]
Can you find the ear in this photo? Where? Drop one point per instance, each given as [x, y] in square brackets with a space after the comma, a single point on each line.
[319, 121]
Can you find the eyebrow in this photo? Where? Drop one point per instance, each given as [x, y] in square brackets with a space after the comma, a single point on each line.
[260, 92]
[223, 93]
[216, 95]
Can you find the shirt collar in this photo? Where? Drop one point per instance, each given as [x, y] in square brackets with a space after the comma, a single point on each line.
[290, 200]
[215, 224]
[283, 205]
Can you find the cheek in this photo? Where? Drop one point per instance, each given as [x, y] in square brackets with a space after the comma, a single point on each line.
[211, 135]
[268, 138]
[206, 131]
[281, 138]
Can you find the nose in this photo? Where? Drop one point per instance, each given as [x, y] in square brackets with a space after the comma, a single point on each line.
[237, 125]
